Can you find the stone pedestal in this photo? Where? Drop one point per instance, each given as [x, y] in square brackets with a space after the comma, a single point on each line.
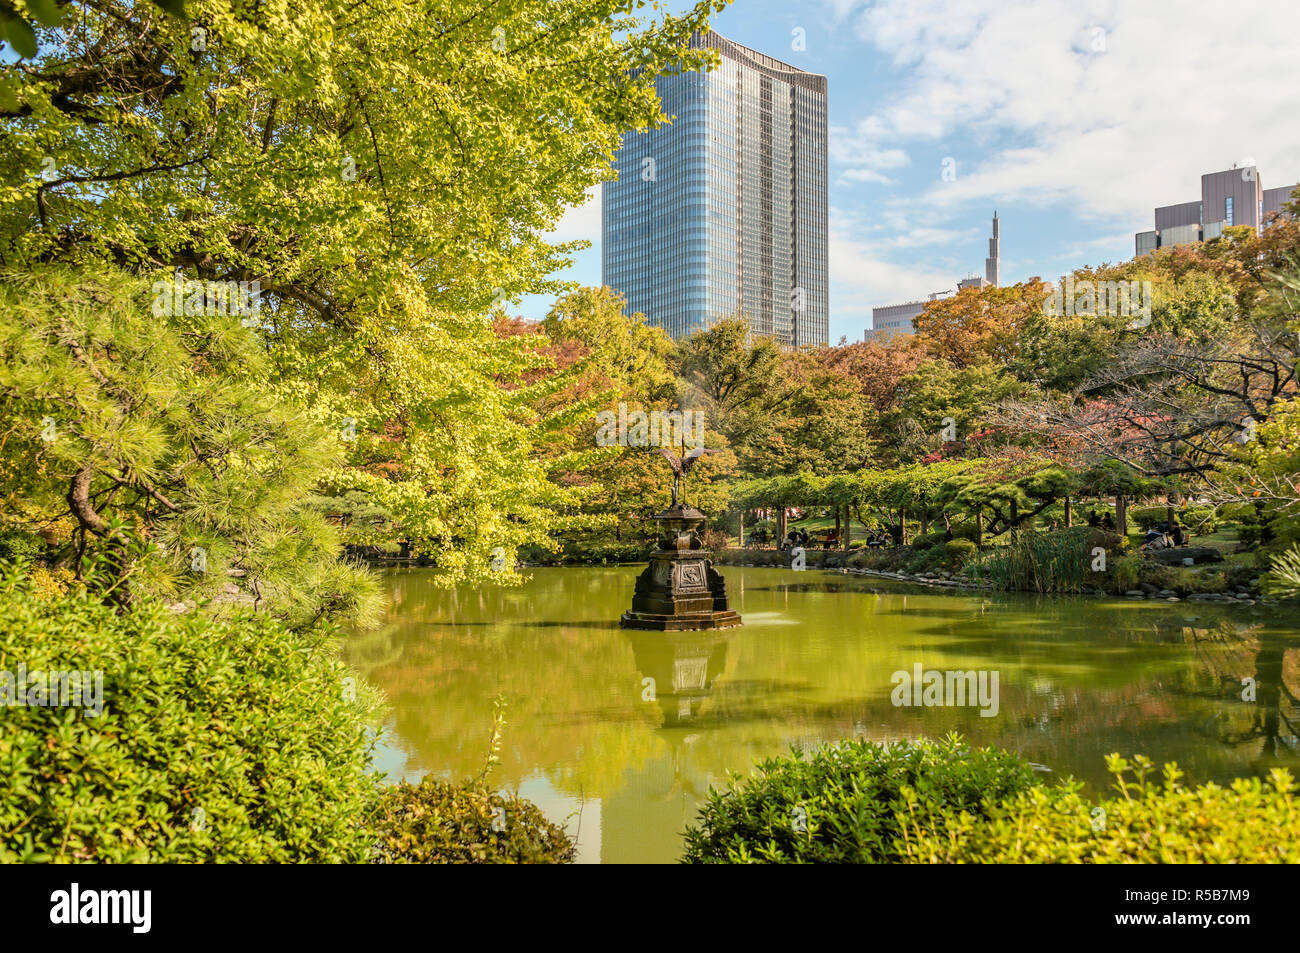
[680, 590]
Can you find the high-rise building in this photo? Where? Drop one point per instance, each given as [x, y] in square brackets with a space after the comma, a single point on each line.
[724, 211]
[1233, 197]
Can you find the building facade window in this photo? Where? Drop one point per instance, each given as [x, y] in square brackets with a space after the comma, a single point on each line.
[724, 211]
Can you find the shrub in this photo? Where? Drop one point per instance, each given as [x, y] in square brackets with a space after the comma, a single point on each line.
[925, 560]
[1201, 520]
[1145, 517]
[218, 740]
[584, 552]
[16, 545]
[435, 822]
[1249, 822]
[1240, 576]
[717, 539]
[959, 552]
[1210, 580]
[927, 540]
[50, 583]
[965, 531]
[841, 803]
[1125, 571]
[1157, 574]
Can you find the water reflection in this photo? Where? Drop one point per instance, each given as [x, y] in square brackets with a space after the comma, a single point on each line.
[624, 731]
[678, 671]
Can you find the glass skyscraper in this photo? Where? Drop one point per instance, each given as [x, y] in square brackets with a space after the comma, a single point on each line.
[724, 211]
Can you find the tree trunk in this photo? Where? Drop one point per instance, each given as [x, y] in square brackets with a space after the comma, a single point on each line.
[1121, 515]
[780, 527]
[848, 528]
[979, 528]
[902, 525]
[117, 553]
[1069, 514]
[740, 533]
[925, 521]
[1014, 519]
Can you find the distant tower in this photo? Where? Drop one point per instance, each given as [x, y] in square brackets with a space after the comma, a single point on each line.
[993, 263]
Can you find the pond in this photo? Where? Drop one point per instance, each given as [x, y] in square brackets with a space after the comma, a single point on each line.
[619, 735]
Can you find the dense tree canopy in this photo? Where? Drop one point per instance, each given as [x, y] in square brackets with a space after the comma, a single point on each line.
[383, 175]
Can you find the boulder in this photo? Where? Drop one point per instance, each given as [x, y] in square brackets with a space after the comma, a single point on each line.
[1176, 555]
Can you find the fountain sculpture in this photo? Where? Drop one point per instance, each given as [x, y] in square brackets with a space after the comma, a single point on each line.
[680, 590]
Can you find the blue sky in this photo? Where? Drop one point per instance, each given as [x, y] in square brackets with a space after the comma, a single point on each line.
[1073, 118]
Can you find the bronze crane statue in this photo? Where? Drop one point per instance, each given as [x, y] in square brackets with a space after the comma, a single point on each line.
[682, 466]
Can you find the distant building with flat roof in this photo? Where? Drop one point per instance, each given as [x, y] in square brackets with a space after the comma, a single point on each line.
[892, 319]
[1229, 198]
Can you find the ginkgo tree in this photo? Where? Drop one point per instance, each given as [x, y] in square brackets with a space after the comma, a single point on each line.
[384, 174]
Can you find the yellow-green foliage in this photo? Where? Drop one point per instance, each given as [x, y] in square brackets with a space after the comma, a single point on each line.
[1250, 822]
[844, 804]
[388, 174]
[435, 822]
[1125, 571]
[50, 583]
[216, 741]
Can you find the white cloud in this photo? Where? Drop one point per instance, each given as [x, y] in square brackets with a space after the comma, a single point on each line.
[863, 279]
[580, 221]
[1112, 108]
[921, 236]
[866, 175]
[861, 152]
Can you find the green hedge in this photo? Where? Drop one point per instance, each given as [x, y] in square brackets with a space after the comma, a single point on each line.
[219, 740]
[958, 552]
[19, 546]
[942, 802]
[842, 803]
[1251, 822]
[1201, 520]
[576, 552]
[435, 822]
[927, 540]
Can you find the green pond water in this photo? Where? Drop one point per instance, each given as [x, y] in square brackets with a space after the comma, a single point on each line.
[619, 734]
